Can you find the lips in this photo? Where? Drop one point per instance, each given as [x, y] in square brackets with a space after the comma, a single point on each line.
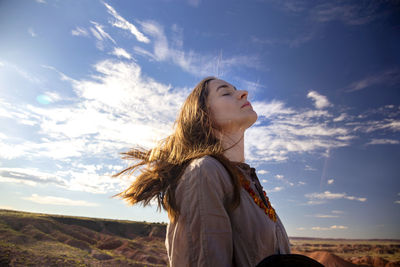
[246, 104]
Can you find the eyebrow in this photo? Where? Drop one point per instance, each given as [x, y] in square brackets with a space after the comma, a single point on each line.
[225, 86]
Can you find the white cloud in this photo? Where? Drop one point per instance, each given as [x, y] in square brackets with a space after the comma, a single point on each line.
[60, 201]
[329, 195]
[48, 97]
[122, 23]
[320, 101]
[326, 216]
[315, 202]
[276, 189]
[117, 108]
[264, 181]
[120, 52]
[194, 3]
[383, 142]
[372, 126]
[101, 33]
[397, 202]
[290, 131]
[341, 117]
[32, 32]
[29, 176]
[337, 212]
[22, 72]
[78, 31]
[262, 171]
[101, 36]
[279, 176]
[390, 77]
[41, 1]
[77, 177]
[351, 14]
[189, 61]
[333, 227]
[330, 181]
[339, 227]
[300, 228]
[309, 168]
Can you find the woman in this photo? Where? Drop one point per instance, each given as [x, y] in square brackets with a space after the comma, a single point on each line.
[219, 215]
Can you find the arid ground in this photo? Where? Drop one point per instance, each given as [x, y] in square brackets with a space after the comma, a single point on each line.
[32, 239]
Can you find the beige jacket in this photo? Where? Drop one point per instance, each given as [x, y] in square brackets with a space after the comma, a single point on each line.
[206, 234]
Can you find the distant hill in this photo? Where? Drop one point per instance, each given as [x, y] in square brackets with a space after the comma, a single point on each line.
[33, 239]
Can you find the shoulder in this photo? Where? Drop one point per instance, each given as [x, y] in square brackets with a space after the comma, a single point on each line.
[207, 170]
[206, 165]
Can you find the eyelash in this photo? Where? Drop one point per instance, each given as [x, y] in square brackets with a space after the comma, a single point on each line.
[226, 94]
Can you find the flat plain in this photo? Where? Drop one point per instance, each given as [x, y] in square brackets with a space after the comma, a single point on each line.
[34, 239]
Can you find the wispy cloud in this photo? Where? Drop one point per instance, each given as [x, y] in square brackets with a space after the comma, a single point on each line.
[383, 142]
[296, 40]
[115, 109]
[291, 131]
[309, 168]
[333, 227]
[190, 61]
[276, 189]
[348, 13]
[122, 23]
[319, 14]
[21, 71]
[389, 77]
[32, 32]
[341, 117]
[330, 181]
[329, 195]
[320, 101]
[29, 176]
[369, 126]
[59, 201]
[326, 216]
[120, 52]
[101, 35]
[323, 216]
[262, 171]
[194, 3]
[76, 177]
[78, 31]
[337, 211]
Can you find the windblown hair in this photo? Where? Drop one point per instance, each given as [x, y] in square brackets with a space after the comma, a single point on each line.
[162, 166]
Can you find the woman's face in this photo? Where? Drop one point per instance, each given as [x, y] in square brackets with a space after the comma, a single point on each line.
[229, 108]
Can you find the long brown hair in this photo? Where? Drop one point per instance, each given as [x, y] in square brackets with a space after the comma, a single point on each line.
[162, 166]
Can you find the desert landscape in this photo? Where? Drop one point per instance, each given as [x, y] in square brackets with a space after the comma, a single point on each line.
[33, 239]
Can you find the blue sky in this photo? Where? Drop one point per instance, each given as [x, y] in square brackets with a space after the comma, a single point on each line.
[82, 81]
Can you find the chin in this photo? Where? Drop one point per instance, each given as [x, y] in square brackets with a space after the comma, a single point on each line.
[251, 119]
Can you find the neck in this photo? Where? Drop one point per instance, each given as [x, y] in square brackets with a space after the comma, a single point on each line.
[235, 153]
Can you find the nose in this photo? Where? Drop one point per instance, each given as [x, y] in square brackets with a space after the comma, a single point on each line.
[242, 94]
